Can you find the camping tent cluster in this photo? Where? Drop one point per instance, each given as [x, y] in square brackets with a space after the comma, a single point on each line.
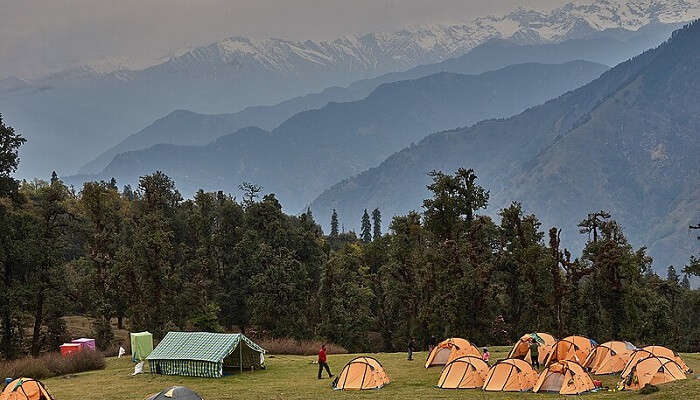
[564, 372]
[567, 363]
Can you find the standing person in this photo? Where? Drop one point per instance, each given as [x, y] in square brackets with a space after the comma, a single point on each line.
[432, 344]
[411, 348]
[485, 355]
[322, 363]
[534, 353]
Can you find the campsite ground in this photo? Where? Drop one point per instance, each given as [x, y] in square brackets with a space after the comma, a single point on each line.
[294, 377]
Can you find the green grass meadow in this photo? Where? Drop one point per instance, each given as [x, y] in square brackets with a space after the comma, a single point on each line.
[294, 377]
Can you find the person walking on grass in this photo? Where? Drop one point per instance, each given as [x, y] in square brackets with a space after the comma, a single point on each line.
[411, 348]
[534, 353]
[322, 363]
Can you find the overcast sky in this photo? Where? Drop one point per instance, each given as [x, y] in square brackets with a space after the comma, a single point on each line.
[37, 36]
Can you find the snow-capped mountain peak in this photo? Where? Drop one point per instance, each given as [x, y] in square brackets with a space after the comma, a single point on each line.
[369, 54]
[431, 43]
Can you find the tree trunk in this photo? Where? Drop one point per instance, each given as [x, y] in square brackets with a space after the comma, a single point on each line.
[38, 320]
[6, 346]
[120, 322]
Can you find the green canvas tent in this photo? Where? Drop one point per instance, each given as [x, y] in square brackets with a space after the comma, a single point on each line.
[204, 354]
[141, 345]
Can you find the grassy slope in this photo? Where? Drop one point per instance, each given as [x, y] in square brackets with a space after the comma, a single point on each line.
[294, 377]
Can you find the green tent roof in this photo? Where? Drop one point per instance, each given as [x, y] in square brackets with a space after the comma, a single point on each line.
[199, 346]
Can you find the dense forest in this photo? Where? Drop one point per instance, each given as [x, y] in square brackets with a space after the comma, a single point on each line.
[158, 262]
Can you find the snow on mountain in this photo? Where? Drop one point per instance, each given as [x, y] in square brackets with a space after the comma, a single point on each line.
[432, 43]
[382, 52]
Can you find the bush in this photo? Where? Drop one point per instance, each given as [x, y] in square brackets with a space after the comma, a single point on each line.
[649, 389]
[297, 347]
[52, 364]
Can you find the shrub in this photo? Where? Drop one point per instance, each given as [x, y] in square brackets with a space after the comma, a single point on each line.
[52, 364]
[649, 389]
[297, 347]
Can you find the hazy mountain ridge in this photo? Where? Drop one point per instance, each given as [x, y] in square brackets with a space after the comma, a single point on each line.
[315, 148]
[627, 142]
[98, 109]
[189, 128]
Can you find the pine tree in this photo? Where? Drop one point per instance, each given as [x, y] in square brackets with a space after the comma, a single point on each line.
[672, 275]
[334, 224]
[693, 266]
[685, 284]
[9, 157]
[593, 223]
[251, 192]
[377, 222]
[366, 233]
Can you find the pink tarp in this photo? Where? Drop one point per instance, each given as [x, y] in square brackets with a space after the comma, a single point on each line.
[85, 343]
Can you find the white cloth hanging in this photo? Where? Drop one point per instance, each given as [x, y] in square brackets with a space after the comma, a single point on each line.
[138, 368]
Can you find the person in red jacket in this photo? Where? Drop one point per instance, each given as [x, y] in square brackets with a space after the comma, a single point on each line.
[322, 362]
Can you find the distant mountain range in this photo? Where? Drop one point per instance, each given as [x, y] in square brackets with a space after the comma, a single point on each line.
[190, 128]
[627, 142]
[72, 115]
[313, 149]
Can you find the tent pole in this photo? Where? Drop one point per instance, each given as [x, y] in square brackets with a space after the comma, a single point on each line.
[240, 352]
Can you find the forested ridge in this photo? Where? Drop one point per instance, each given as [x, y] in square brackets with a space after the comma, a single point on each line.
[158, 262]
[626, 142]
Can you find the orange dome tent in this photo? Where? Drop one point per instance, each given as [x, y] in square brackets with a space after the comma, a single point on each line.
[25, 389]
[564, 377]
[450, 349]
[661, 351]
[361, 373]
[510, 375]
[572, 348]
[521, 349]
[609, 357]
[466, 372]
[658, 351]
[653, 370]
